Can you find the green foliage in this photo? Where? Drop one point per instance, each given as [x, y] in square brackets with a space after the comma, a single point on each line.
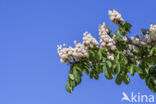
[74, 78]
[125, 27]
[151, 79]
[97, 63]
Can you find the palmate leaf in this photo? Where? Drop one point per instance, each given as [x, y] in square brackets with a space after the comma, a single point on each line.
[86, 71]
[109, 64]
[68, 87]
[119, 66]
[77, 67]
[131, 70]
[91, 54]
[125, 27]
[114, 66]
[99, 68]
[107, 72]
[96, 76]
[118, 79]
[74, 78]
[77, 76]
[137, 69]
[99, 54]
[151, 83]
[122, 76]
[126, 78]
[119, 36]
[123, 60]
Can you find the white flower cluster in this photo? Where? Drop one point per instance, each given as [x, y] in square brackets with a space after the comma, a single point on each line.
[65, 53]
[69, 53]
[125, 39]
[79, 51]
[152, 35]
[110, 56]
[152, 27]
[89, 41]
[133, 48]
[147, 41]
[105, 40]
[127, 53]
[115, 16]
[137, 42]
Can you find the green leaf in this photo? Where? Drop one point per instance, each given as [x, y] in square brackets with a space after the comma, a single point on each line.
[91, 54]
[119, 36]
[77, 76]
[123, 59]
[91, 74]
[146, 71]
[72, 83]
[105, 71]
[142, 76]
[125, 27]
[114, 66]
[117, 56]
[103, 59]
[77, 67]
[96, 77]
[86, 71]
[68, 87]
[118, 79]
[126, 79]
[99, 68]
[71, 76]
[154, 81]
[109, 64]
[137, 69]
[99, 54]
[152, 51]
[111, 73]
[104, 53]
[118, 67]
[131, 70]
[150, 60]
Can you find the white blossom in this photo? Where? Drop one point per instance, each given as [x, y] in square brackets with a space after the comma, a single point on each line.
[127, 52]
[151, 36]
[115, 16]
[89, 41]
[110, 56]
[125, 39]
[79, 51]
[133, 48]
[152, 27]
[105, 40]
[135, 40]
[67, 54]
[137, 62]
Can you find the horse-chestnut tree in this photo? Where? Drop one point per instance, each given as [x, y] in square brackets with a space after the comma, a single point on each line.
[115, 55]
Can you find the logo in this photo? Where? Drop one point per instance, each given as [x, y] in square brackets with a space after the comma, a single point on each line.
[137, 98]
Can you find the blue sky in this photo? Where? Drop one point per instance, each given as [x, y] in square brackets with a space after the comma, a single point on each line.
[30, 71]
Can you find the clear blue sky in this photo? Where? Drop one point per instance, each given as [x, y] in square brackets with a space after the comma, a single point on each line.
[30, 71]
